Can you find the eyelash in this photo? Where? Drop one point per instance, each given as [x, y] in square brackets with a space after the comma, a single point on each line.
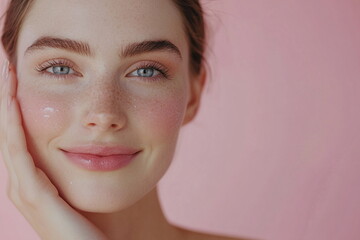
[156, 66]
[65, 63]
[56, 62]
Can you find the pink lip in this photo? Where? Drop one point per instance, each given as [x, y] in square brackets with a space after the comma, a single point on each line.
[100, 158]
[101, 150]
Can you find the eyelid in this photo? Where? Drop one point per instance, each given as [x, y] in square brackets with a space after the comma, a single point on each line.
[163, 70]
[155, 70]
[57, 62]
[54, 62]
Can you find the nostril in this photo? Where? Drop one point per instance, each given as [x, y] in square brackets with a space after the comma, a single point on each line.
[104, 121]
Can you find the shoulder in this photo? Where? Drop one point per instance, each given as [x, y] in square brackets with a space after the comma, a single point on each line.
[192, 235]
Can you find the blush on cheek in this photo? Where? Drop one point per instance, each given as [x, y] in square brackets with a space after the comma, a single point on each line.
[163, 116]
[42, 118]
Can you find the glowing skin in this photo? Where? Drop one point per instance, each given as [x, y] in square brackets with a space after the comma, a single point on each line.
[137, 100]
[76, 109]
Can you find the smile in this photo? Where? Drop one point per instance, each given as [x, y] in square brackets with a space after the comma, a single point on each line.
[100, 158]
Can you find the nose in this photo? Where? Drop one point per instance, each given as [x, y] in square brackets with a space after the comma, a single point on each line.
[105, 110]
[104, 121]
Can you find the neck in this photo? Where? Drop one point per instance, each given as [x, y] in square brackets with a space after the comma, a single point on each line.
[143, 220]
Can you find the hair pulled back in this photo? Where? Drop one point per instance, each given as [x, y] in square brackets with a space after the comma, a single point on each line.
[191, 11]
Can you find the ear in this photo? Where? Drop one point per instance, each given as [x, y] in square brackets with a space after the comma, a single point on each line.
[197, 84]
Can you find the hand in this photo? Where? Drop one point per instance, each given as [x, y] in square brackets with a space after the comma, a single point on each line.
[29, 188]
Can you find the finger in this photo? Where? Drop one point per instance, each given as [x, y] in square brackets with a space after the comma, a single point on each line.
[4, 74]
[21, 160]
[3, 81]
[3, 111]
[2, 107]
[4, 69]
[4, 125]
[4, 91]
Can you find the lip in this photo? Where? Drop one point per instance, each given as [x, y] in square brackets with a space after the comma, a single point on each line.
[99, 157]
[101, 150]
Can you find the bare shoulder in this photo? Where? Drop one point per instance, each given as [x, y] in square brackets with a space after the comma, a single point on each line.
[192, 235]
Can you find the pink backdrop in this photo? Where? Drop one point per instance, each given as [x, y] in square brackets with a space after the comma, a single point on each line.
[274, 151]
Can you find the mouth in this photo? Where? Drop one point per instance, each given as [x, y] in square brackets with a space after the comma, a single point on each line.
[101, 150]
[100, 158]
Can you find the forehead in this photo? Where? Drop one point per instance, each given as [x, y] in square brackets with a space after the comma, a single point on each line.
[103, 24]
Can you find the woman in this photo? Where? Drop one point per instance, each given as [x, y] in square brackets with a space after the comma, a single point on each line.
[92, 102]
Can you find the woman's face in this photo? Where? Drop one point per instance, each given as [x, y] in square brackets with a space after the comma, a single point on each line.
[124, 82]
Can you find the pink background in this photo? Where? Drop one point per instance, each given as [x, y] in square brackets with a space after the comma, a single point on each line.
[274, 151]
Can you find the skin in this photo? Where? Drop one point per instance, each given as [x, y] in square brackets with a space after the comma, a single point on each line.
[106, 101]
[148, 115]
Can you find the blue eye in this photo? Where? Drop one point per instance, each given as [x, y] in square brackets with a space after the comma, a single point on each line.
[150, 71]
[145, 72]
[60, 70]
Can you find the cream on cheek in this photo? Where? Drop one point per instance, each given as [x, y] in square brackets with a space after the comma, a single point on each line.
[44, 116]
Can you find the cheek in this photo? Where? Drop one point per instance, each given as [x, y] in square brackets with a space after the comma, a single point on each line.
[43, 117]
[162, 116]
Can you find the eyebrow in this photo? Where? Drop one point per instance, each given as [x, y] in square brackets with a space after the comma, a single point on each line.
[79, 47]
[83, 48]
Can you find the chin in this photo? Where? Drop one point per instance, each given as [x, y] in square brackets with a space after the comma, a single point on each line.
[100, 204]
[105, 199]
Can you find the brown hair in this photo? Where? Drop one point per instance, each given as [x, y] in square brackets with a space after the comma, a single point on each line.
[193, 18]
